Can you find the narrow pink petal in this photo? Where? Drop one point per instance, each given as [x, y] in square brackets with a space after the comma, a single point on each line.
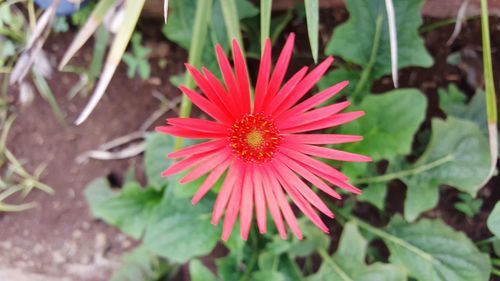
[305, 85]
[314, 100]
[271, 103]
[330, 121]
[205, 167]
[188, 133]
[206, 106]
[212, 94]
[225, 191]
[199, 125]
[263, 76]
[321, 169]
[312, 178]
[260, 201]
[301, 203]
[188, 162]
[281, 66]
[242, 75]
[311, 117]
[297, 184]
[329, 153]
[273, 205]
[246, 203]
[321, 138]
[198, 148]
[228, 76]
[233, 207]
[209, 182]
[221, 91]
[313, 163]
[283, 203]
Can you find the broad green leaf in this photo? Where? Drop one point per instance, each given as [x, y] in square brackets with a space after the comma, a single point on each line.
[229, 268]
[312, 16]
[494, 220]
[338, 75]
[128, 210]
[314, 240]
[180, 230]
[355, 41]
[268, 275]
[391, 121]
[431, 250]
[453, 102]
[374, 194]
[457, 155]
[200, 272]
[139, 265]
[158, 146]
[347, 264]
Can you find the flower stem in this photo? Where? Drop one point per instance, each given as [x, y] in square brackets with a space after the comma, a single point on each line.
[405, 173]
[201, 23]
[365, 75]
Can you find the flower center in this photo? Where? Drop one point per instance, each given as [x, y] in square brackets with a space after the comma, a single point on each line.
[255, 138]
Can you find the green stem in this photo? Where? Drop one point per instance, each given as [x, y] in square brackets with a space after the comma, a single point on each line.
[365, 75]
[495, 271]
[265, 21]
[491, 104]
[201, 22]
[406, 173]
[326, 258]
[442, 23]
[388, 237]
[253, 258]
[487, 240]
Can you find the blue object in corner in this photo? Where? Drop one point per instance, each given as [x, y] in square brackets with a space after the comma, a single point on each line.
[65, 6]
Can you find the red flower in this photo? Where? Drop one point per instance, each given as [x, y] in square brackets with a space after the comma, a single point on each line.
[263, 147]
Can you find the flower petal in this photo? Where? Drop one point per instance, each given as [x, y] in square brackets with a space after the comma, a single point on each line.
[198, 148]
[315, 100]
[321, 138]
[273, 205]
[199, 125]
[246, 203]
[229, 79]
[271, 103]
[242, 76]
[312, 116]
[260, 201]
[209, 182]
[225, 192]
[205, 167]
[188, 133]
[206, 105]
[233, 207]
[281, 66]
[188, 162]
[329, 153]
[327, 122]
[263, 77]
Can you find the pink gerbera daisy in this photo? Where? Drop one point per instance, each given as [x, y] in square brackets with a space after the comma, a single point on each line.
[263, 146]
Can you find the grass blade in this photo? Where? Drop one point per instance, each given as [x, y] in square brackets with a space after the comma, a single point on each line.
[459, 23]
[201, 23]
[491, 103]
[265, 21]
[165, 10]
[133, 10]
[232, 22]
[45, 91]
[312, 18]
[391, 19]
[87, 30]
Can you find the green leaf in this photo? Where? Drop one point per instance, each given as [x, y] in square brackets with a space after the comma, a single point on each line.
[268, 275]
[347, 264]
[469, 206]
[361, 29]
[314, 240]
[139, 265]
[431, 250]
[453, 102]
[312, 16]
[199, 272]
[494, 220]
[228, 267]
[391, 121]
[158, 146]
[338, 75]
[129, 210]
[374, 194]
[180, 231]
[457, 155]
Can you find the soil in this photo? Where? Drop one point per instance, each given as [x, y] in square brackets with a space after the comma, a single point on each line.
[59, 240]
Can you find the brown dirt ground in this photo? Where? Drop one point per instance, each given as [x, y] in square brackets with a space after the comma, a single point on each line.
[59, 240]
